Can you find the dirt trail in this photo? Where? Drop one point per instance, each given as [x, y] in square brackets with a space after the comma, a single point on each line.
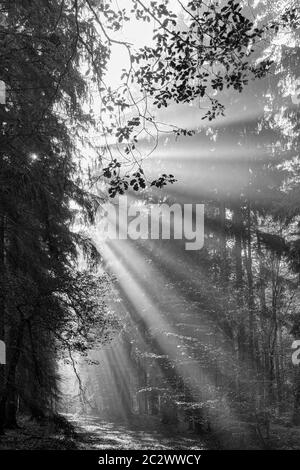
[94, 433]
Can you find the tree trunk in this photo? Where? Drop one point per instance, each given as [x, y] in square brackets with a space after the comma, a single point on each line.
[296, 415]
[2, 308]
[224, 264]
[240, 336]
[8, 403]
[237, 220]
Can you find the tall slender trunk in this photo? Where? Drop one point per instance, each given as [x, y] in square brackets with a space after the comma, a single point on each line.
[239, 335]
[275, 385]
[8, 403]
[224, 264]
[237, 220]
[250, 286]
[296, 413]
[2, 274]
[263, 324]
[2, 307]
[250, 290]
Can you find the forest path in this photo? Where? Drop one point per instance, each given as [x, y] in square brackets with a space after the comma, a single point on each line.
[94, 433]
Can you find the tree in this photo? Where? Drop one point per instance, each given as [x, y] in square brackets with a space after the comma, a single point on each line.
[38, 180]
[50, 54]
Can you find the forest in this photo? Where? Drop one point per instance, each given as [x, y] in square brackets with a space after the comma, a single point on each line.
[140, 342]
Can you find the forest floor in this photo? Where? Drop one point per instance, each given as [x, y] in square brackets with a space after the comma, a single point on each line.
[91, 433]
[31, 435]
[95, 434]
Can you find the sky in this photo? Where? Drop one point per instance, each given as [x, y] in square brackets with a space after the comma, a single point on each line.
[138, 33]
